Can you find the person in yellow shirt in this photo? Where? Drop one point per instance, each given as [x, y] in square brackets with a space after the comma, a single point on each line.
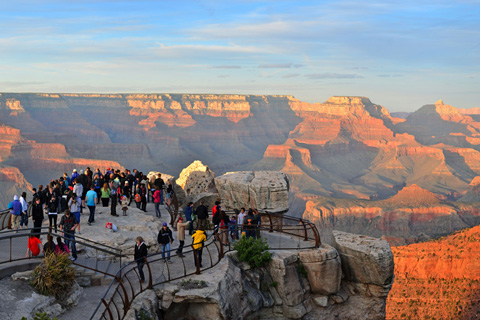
[199, 238]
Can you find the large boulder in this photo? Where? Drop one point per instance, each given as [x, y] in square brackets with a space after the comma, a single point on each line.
[364, 259]
[264, 190]
[197, 178]
[152, 175]
[323, 267]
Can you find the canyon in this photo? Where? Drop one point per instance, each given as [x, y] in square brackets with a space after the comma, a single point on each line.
[350, 165]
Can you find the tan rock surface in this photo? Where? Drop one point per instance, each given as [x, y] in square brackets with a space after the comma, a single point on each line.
[264, 190]
[197, 178]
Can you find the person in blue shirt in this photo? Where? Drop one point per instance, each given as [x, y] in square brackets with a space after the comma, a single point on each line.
[189, 212]
[91, 199]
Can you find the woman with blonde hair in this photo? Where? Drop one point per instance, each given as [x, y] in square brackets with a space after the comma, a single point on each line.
[105, 194]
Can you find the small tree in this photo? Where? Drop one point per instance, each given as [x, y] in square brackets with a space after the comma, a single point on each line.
[54, 276]
[253, 251]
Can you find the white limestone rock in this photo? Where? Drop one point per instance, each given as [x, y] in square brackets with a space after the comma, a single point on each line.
[197, 178]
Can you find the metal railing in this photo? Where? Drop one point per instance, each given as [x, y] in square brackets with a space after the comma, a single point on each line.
[118, 299]
[17, 254]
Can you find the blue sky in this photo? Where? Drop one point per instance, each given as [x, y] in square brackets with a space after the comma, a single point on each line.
[400, 54]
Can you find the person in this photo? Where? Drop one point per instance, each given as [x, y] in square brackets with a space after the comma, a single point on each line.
[37, 216]
[249, 227]
[68, 224]
[143, 194]
[49, 246]
[61, 248]
[105, 194]
[159, 183]
[189, 212]
[165, 238]
[24, 214]
[91, 199]
[157, 201]
[181, 235]
[125, 202]
[140, 256]
[223, 227]
[241, 217]
[74, 174]
[199, 239]
[233, 228]
[74, 205]
[34, 245]
[52, 212]
[216, 217]
[114, 184]
[168, 197]
[202, 215]
[78, 189]
[16, 211]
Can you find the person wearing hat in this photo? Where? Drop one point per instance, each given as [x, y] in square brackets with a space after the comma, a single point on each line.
[181, 235]
[74, 174]
[16, 210]
[165, 238]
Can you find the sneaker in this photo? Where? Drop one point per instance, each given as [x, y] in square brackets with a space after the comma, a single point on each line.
[89, 223]
[72, 258]
[169, 261]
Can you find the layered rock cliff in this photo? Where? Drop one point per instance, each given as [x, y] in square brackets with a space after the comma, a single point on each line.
[437, 279]
[413, 215]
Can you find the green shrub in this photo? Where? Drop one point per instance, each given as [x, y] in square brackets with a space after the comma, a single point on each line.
[41, 316]
[54, 276]
[253, 251]
[301, 269]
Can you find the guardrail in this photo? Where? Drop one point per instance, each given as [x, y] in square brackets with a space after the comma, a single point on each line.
[16, 254]
[117, 300]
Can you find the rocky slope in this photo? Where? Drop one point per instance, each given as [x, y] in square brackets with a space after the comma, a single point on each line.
[437, 279]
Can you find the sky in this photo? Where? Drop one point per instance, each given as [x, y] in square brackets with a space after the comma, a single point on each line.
[400, 54]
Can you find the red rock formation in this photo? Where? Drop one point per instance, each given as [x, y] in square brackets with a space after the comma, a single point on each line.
[411, 215]
[437, 279]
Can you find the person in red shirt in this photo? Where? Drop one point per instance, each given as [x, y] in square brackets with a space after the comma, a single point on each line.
[34, 245]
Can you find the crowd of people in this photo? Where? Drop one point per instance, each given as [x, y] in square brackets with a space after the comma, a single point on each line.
[87, 189]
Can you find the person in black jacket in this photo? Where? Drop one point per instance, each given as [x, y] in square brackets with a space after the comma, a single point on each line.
[37, 216]
[140, 256]
[202, 215]
[165, 238]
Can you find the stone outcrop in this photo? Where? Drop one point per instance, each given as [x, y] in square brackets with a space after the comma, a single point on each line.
[197, 178]
[282, 290]
[264, 190]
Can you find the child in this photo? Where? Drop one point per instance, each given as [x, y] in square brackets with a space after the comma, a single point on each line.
[125, 202]
[233, 228]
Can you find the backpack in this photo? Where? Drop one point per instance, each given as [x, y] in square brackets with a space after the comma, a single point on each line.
[138, 198]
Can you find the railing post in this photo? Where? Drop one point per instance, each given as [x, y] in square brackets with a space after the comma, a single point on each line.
[220, 254]
[150, 283]
[305, 228]
[271, 222]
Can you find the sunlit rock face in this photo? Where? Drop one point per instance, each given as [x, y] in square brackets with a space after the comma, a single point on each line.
[413, 214]
[437, 278]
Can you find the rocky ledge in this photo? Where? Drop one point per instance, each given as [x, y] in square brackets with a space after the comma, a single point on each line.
[310, 284]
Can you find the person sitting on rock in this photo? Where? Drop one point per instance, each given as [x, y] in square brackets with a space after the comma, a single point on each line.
[61, 248]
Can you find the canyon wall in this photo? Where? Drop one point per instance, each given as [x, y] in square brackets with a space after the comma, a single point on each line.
[437, 279]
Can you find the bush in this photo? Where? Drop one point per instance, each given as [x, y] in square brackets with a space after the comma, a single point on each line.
[253, 251]
[54, 276]
[41, 316]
